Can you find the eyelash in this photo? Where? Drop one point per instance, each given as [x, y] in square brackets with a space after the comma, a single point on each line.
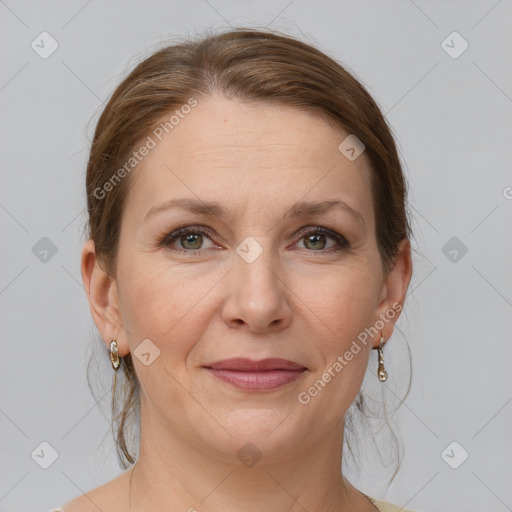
[168, 239]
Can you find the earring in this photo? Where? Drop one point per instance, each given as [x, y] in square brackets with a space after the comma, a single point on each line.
[381, 371]
[114, 355]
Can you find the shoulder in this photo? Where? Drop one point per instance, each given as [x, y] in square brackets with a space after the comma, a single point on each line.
[88, 502]
[111, 496]
[384, 506]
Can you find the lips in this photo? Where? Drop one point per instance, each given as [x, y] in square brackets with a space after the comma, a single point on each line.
[267, 374]
[248, 365]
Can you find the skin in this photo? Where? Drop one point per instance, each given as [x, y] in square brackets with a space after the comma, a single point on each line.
[297, 300]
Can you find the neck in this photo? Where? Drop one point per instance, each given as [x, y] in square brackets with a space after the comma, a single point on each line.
[172, 470]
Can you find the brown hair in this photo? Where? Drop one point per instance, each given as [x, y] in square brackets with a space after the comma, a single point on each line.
[248, 65]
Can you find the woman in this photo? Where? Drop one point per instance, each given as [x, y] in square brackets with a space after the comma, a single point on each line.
[248, 247]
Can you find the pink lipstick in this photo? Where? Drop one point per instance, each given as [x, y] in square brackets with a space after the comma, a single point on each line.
[266, 374]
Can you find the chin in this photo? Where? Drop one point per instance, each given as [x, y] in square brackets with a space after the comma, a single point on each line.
[255, 432]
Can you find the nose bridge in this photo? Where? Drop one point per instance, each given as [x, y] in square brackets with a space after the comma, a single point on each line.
[259, 296]
[256, 266]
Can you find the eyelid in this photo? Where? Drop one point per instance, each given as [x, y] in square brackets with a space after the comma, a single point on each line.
[179, 232]
[341, 240]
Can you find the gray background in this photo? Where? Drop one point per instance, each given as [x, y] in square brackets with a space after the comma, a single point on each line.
[451, 117]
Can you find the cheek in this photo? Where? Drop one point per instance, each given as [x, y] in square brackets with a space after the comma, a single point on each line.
[346, 303]
[168, 307]
[347, 308]
[162, 303]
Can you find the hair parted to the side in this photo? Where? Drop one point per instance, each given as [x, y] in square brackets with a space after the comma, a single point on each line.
[247, 65]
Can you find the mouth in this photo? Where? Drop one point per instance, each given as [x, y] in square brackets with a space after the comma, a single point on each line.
[266, 374]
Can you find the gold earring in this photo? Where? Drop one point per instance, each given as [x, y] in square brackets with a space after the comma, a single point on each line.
[381, 371]
[114, 355]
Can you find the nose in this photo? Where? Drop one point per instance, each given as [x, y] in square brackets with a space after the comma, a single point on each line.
[259, 295]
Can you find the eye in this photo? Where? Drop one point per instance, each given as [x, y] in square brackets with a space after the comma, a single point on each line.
[316, 240]
[192, 239]
[189, 239]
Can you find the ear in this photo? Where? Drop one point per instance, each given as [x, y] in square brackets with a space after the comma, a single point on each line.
[102, 294]
[393, 292]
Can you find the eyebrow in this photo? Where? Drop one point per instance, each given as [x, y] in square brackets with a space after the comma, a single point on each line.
[214, 209]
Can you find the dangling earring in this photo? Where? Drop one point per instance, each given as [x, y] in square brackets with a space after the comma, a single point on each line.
[381, 371]
[114, 355]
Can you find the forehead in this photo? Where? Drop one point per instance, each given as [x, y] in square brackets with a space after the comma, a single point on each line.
[240, 153]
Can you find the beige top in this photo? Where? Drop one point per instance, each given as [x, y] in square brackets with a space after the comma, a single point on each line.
[382, 506]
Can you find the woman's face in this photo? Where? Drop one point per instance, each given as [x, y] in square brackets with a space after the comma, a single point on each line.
[248, 277]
